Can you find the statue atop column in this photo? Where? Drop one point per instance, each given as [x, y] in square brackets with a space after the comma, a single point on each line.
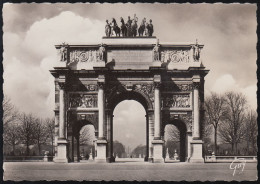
[101, 52]
[156, 53]
[63, 52]
[196, 51]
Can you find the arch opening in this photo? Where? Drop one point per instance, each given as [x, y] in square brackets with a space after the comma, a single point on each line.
[82, 141]
[175, 147]
[130, 131]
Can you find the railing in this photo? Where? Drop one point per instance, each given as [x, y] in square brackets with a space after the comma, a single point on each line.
[222, 159]
[27, 158]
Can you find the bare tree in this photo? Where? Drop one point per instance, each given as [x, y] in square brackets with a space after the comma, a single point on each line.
[232, 129]
[40, 133]
[10, 136]
[50, 123]
[86, 135]
[10, 127]
[172, 133]
[27, 130]
[207, 132]
[9, 111]
[251, 131]
[214, 106]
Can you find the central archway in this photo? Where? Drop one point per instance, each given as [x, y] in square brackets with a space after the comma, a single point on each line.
[112, 103]
[130, 130]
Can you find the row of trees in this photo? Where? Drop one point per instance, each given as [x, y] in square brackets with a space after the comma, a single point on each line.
[231, 118]
[25, 129]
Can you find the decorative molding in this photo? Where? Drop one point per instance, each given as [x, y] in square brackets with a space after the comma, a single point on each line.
[82, 100]
[175, 56]
[176, 100]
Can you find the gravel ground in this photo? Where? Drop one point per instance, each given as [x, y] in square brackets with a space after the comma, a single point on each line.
[140, 171]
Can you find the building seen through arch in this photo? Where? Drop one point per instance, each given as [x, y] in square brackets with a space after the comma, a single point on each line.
[166, 78]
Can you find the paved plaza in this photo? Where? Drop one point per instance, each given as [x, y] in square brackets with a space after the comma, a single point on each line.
[130, 171]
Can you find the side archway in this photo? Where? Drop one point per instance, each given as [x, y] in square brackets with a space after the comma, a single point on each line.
[179, 135]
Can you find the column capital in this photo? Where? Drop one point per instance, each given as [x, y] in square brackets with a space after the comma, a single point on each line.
[62, 85]
[196, 85]
[157, 85]
[101, 85]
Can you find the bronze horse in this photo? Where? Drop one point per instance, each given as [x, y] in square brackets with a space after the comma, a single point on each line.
[141, 30]
[115, 28]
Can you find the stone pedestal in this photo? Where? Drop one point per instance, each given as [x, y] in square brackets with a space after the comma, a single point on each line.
[196, 154]
[61, 151]
[157, 151]
[101, 151]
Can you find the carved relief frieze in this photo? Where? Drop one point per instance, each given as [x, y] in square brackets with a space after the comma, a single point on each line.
[92, 87]
[175, 56]
[90, 55]
[82, 100]
[147, 89]
[178, 87]
[176, 100]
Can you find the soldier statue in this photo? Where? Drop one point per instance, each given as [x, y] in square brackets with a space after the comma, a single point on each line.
[196, 51]
[156, 52]
[63, 52]
[102, 52]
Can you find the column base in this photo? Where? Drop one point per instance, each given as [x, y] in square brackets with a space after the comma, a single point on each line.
[101, 151]
[158, 151]
[196, 154]
[61, 151]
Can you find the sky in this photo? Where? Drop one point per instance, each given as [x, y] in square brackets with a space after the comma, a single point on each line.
[228, 32]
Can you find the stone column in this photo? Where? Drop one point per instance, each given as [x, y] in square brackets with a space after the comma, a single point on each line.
[62, 142]
[196, 144]
[108, 136]
[151, 135]
[157, 142]
[101, 142]
[147, 138]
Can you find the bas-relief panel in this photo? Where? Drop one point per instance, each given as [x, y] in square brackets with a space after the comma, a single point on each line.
[176, 100]
[175, 56]
[82, 100]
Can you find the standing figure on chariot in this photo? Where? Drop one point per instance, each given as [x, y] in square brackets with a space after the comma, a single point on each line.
[129, 26]
[134, 26]
[150, 28]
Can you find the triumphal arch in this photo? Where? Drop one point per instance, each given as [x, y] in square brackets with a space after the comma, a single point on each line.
[166, 78]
